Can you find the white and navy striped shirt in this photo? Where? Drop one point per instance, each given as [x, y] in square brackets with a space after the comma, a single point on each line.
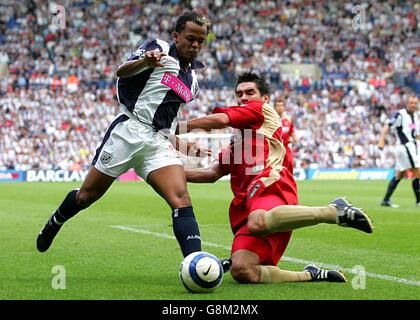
[156, 96]
[405, 126]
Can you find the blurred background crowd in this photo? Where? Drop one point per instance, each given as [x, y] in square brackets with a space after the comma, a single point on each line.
[57, 81]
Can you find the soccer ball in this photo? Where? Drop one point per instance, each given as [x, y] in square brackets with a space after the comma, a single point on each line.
[201, 272]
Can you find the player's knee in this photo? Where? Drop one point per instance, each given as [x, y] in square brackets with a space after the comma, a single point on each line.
[399, 175]
[84, 197]
[184, 196]
[256, 224]
[180, 198]
[244, 273]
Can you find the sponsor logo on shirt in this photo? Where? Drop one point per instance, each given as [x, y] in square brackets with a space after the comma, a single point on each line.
[177, 86]
[254, 190]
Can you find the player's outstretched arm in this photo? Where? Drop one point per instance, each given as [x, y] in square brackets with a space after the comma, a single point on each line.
[209, 175]
[190, 149]
[206, 123]
[151, 59]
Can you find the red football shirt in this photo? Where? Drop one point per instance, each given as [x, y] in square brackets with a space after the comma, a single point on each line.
[255, 157]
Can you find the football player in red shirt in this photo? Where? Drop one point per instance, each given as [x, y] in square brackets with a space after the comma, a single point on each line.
[264, 209]
[288, 130]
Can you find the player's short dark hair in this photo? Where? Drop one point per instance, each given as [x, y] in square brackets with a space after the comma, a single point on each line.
[191, 16]
[253, 77]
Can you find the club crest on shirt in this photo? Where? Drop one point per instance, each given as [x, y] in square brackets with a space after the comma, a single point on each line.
[105, 157]
[253, 189]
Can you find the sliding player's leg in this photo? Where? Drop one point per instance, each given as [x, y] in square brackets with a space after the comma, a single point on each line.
[254, 260]
[291, 217]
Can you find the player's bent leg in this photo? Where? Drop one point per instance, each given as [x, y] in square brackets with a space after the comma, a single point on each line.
[95, 185]
[93, 188]
[249, 252]
[273, 274]
[289, 217]
[254, 259]
[256, 222]
[245, 266]
[170, 183]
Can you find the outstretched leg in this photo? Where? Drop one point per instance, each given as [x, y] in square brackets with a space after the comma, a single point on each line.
[247, 268]
[291, 217]
[94, 186]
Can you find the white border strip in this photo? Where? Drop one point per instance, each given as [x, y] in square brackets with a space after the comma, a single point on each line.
[288, 259]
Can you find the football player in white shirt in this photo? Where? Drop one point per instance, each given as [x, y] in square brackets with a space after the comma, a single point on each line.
[156, 82]
[406, 128]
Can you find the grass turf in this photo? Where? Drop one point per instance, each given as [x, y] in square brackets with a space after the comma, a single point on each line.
[121, 247]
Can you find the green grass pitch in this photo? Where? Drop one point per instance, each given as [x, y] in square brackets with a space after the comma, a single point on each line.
[122, 246]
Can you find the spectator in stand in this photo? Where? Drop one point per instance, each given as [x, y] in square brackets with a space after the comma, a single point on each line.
[288, 131]
[96, 37]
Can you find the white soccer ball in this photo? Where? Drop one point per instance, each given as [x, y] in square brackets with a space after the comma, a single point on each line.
[201, 272]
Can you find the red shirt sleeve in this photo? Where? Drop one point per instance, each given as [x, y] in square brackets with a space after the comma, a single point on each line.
[248, 116]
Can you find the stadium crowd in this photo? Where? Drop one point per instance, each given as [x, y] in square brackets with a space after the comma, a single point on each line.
[57, 73]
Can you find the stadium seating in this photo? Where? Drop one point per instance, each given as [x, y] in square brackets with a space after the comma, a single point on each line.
[57, 92]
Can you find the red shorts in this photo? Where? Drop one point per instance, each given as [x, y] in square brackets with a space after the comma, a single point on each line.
[269, 248]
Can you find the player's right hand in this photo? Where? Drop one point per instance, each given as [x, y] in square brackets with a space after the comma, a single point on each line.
[381, 145]
[152, 58]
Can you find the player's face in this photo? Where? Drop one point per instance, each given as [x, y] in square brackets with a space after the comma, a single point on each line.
[190, 41]
[279, 106]
[247, 91]
[412, 104]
